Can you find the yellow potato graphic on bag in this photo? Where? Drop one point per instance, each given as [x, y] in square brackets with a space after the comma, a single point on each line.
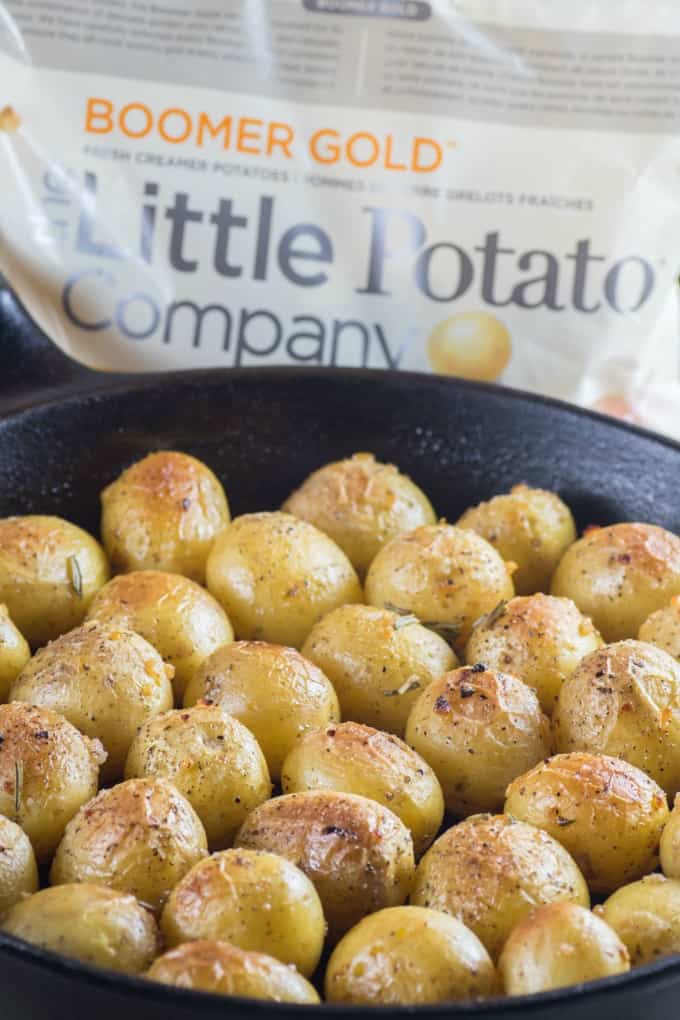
[471, 345]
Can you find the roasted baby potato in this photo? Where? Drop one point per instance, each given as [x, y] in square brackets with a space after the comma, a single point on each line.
[662, 628]
[353, 758]
[18, 869]
[478, 729]
[619, 575]
[608, 814]
[538, 638]
[14, 652]
[182, 621]
[408, 956]
[50, 571]
[276, 576]
[361, 504]
[273, 690]
[105, 680]
[670, 843]
[89, 922]
[47, 771]
[441, 574]
[163, 513]
[491, 871]
[624, 700]
[223, 969]
[212, 759]
[140, 837]
[357, 853]
[531, 527]
[646, 917]
[258, 901]
[560, 944]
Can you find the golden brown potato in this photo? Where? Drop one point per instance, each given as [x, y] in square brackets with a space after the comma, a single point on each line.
[276, 576]
[353, 758]
[662, 628]
[212, 759]
[140, 837]
[258, 901]
[357, 853]
[50, 571]
[14, 652]
[273, 690]
[646, 917]
[362, 504]
[89, 922]
[670, 843]
[539, 638]
[619, 575]
[378, 662]
[408, 956]
[105, 680]
[560, 944]
[531, 527]
[624, 700]
[182, 621]
[163, 513]
[18, 870]
[440, 574]
[478, 729]
[607, 813]
[223, 969]
[47, 771]
[490, 871]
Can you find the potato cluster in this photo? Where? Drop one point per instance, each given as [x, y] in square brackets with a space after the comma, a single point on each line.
[344, 750]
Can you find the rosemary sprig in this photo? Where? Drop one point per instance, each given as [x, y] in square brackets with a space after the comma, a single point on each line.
[74, 575]
[447, 629]
[494, 616]
[409, 685]
[18, 785]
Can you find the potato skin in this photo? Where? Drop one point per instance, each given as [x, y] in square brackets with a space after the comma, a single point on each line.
[357, 853]
[18, 869]
[182, 621]
[662, 628]
[531, 527]
[478, 729]
[140, 837]
[362, 504]
[50, 570]
[377, 663]
[490, 871]
[276, 576]
[212, 759]
[669, 849]
[107, 681]
[14, 652]
[89, 922]
[273, 690]
[646, 917]
[538, 638]
[56, 769]
[442, 574]
[224, 969]
[561, 944]
[608, 814]
[257, 901]
[624, 700]
[352, 758]
[408, 956]
[619, 575]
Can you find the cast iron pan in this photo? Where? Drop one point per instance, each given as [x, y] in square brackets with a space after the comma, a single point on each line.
[262, 431]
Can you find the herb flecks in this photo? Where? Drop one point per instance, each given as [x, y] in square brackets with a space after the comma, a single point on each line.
[412, 684]
[18, 785]
[493, 617]
[449, 630]
[74, 575]
[562, 822]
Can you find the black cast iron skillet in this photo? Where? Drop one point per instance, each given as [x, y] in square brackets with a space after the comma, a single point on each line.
[262, 431]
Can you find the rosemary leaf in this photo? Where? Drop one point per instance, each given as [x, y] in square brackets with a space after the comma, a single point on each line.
[490, 618]
[74, 575]
[409, 685]
[18, 784]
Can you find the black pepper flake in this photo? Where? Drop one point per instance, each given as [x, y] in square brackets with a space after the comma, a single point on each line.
[186, 503]
[441, 704]
[624, 558]
[335, 830]
[479, 667]
[41, 735]
[467, 692]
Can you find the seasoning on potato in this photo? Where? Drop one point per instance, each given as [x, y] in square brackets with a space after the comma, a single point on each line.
[257, 901]
[608, 814]
[273, 690]
[18, 868]
[223, 969]
[409, 956]
[163, 513]
[362, 504]
[538, 638]
[624, 700]
[276, 576]
[619, 575]
[441, 574]
[357, 853]
[662, 628]
[50, 571]
[478, 729]
[182, 621]
[646, 917]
